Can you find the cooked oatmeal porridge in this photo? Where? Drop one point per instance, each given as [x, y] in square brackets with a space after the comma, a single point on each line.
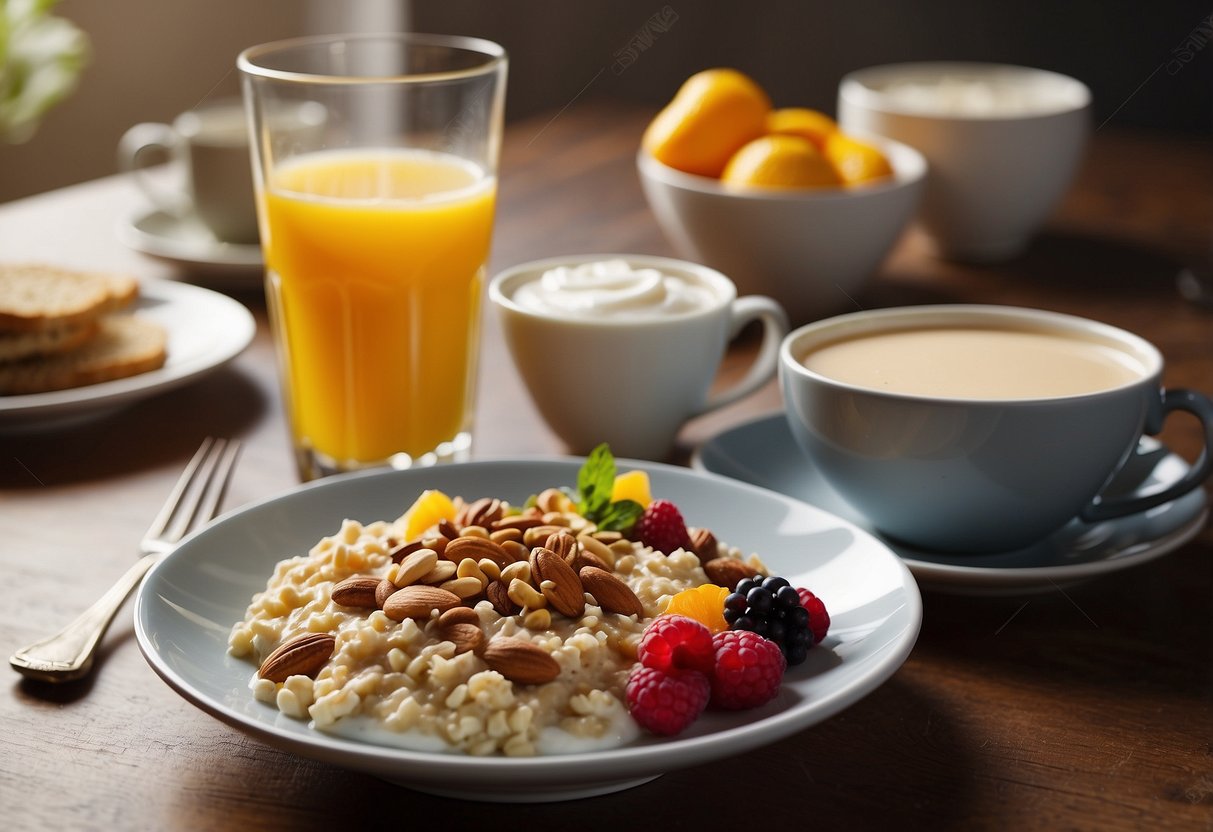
[501, 631]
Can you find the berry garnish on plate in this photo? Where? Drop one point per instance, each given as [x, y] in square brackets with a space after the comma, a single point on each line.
[666, 701]
[749, 670]
[676, 642]
[819, 619]
[771, 607]
[661, 527]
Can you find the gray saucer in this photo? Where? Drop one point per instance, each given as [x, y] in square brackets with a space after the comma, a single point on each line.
[763, 453]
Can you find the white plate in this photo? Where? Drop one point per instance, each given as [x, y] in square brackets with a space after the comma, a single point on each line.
[187, 606]
[205, 331]
[763, 452]
[190, 244]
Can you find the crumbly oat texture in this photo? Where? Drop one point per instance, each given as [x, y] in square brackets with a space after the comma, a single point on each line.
[36, 297]
[123, 346]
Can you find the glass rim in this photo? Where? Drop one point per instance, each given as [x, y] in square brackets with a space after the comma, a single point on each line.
[494, 54]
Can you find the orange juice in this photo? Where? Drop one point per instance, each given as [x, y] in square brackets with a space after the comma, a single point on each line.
[375, 264]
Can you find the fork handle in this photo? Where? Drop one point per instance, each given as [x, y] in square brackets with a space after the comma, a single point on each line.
[68, 655]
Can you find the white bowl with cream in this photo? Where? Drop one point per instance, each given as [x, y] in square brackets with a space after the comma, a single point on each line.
[964, 428]
[811, 249]
[1003, 144]
[623, 349]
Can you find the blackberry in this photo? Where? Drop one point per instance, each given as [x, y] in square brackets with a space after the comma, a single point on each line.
[771, 608]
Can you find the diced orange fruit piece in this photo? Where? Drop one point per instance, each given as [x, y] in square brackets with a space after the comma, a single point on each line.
[813, 125]
[429, 508]
[633, 485]
[713, 114]
[703, 603]
[780, 162]
[856, 161]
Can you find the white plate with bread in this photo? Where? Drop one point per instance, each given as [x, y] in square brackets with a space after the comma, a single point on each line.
[75, 345]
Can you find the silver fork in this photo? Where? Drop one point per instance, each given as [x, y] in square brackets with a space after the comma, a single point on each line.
[68, 655]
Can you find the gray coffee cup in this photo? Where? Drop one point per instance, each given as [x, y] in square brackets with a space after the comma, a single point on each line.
[980, 473]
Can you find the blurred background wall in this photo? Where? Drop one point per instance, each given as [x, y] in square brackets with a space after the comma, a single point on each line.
[1149, 64]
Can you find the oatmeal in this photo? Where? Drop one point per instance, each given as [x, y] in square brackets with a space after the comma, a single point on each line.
[496, 631]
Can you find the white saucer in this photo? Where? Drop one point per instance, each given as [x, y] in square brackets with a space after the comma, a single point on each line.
[205, 331]
[763, 452]
[190, 244]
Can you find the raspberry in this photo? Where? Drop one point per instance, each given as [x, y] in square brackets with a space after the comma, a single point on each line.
[749, 669]
[677, 642]
[661, 527]
[819, 619]
[666, 702]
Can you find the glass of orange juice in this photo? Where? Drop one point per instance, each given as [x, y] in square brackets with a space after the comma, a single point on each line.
[376, 231]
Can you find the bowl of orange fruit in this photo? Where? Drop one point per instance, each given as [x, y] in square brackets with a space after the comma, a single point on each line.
[780, 199]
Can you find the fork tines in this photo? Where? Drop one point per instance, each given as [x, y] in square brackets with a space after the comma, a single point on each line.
[198, 491]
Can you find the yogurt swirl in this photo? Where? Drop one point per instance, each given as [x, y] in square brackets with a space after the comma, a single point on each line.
[612, 289]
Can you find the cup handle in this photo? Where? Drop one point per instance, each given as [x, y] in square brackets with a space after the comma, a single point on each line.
[775, 327]
[133, 150]
[1187, 400]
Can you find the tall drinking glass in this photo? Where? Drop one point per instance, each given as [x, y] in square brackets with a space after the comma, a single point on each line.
[376, 232]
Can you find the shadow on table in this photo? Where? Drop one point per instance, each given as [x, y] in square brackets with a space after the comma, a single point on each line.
[1075, 267]
[147, 434]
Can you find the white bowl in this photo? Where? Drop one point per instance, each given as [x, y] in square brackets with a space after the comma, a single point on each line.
[812, 250]
[1003, 143]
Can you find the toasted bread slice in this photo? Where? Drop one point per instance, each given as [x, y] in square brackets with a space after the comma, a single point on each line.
[124, 346]
[15, 346]
[36, 297]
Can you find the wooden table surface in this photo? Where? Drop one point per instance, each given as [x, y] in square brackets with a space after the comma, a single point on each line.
[1088, 707]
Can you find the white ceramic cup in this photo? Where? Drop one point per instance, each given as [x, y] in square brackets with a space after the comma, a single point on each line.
[632, 382]
[210, 143]
[998, 163]
[969, 474]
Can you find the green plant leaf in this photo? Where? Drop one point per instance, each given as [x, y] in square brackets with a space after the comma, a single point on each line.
[620, 516]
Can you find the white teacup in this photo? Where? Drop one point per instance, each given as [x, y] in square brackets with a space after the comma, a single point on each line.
[211, 145]
[978, 428]
[606, 359]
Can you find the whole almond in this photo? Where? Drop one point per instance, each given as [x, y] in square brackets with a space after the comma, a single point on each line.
[459, 615]
[476, 548]
[499, 597]
[567, 595]
[703, 544]
[538, 535]
[522, 522]
[403, 550]
[447, 529]
[563, 544]
[465, 637]
[516, 550]
[302, 655]
[727, 572]
[612, 594]
[384, 590]
[586, 558]
[356, 591]
[419, 602]
[520, 661]
[482, 512]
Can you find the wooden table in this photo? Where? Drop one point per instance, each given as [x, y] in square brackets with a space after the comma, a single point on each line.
[1088, 707]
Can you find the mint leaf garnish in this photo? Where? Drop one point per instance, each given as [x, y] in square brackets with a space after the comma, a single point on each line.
[595, 484]
[620, 516]
[595, 481]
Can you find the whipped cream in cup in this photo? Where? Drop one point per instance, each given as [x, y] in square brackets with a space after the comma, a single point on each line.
[612, 288]
[623, 349]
